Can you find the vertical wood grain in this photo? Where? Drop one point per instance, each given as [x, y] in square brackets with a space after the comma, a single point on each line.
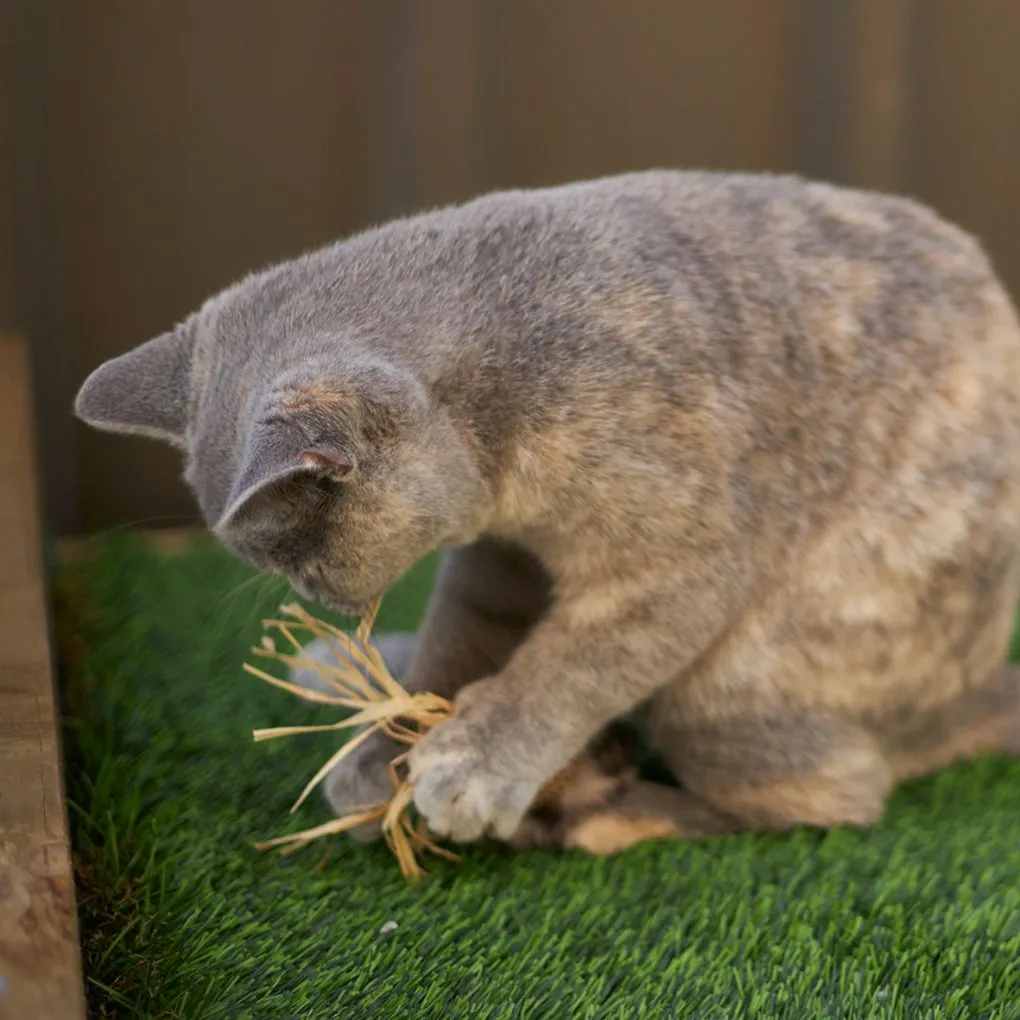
[40, 965]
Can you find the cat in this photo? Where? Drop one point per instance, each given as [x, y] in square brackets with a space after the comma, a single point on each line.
[738, 452]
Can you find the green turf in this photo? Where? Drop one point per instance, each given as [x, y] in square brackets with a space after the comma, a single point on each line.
[919, 917]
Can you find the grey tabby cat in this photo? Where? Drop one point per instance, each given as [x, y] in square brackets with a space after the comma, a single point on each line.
[740, 452]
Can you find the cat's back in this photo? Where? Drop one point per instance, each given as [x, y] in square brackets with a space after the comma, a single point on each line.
[814, 354]
[665, 215]
[749, 244]
[734, 268]
[801, 295]
[686, 251]
[645, 281]
[867, 316]
[783, 240]
[853, 335]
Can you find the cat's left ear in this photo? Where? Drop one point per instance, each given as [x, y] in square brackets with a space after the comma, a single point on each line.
[144, 391]
[277, 451]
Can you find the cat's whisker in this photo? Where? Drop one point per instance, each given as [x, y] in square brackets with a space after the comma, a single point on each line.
[131, 525]
[262, 581]
[229, 601]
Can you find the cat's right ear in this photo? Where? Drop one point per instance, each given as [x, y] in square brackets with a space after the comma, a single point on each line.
[145, 391]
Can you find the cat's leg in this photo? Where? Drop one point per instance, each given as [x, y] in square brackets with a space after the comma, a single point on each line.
[878, 660]
[487, 596]
[762, 737]
[984, 719]
[802, 770]
[601, 806]
[598, 776]
[745, 773]
[596, 654]
[1003, 736]
[805, 768]
[643, 812]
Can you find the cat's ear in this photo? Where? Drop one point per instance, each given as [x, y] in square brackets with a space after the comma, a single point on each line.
[144, 391]
[276, 451]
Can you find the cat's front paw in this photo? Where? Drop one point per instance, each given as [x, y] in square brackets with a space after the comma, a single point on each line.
[465, 783]
[457, 791]
[362, 780]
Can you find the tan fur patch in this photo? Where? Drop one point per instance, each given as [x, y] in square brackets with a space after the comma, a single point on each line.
[314, 396]
[609, 833]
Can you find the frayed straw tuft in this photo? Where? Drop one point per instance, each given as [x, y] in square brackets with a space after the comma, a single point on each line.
[378, 703]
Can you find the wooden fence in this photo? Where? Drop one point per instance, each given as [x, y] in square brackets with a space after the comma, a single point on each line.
[151, 151]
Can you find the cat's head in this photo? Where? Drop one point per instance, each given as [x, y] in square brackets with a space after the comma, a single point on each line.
[312, 454]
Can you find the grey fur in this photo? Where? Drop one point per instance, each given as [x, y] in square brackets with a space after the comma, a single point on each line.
[701, 440]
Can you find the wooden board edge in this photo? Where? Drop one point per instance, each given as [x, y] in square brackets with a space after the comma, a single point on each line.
[40, 953]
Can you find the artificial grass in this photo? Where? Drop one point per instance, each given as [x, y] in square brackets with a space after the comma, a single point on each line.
[916, 918]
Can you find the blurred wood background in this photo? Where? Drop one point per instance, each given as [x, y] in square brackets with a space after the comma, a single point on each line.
[152, 152]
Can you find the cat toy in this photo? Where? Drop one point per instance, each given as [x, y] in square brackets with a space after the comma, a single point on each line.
[358, 681]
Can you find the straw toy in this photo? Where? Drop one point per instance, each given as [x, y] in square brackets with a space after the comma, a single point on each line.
[359, 682]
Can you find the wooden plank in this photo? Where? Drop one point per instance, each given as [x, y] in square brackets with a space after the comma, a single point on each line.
[449, 101]
[880, 94]
[38, 254]
[967, 115]
[199, 141]
[589, 87]
[40, 962]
